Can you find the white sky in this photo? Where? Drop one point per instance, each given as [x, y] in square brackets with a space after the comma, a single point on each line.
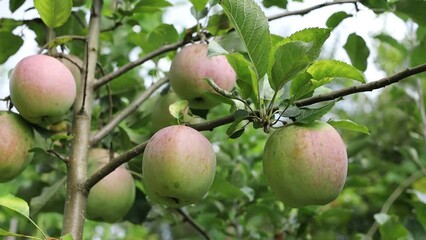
[365, 23]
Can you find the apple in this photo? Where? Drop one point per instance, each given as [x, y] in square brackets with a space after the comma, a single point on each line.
[112, 197]
[188, 70]
[17, 138]
[305, 164]
[42, 89]
[178, 166]
[161, 116]
[74, 64]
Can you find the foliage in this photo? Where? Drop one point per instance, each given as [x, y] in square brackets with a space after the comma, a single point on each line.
[384, 195]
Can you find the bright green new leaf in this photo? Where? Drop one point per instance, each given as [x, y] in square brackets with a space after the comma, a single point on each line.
[16, 204]
[391, 228]
[289, 59]
[178, 109]
[252, 26]
[349, 125]
[332, 68]
[301, 85]
[199, 5]
[214, 49]
[54, 13]
[357, 51]
[336, 18]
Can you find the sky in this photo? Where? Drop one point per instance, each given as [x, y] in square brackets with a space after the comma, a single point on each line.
[364, 23]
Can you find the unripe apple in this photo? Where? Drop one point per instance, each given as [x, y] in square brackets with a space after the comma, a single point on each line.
[17, 138]
[112, 197]
[305, 164]
[178, 166]
[42, 89]
[188, 70]
[161, 116]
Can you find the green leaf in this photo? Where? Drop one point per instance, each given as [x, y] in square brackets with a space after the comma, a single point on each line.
[199, 5]
[308, 115]
[378, 6]
[37, 203]
[54, 13]
[239, 115]
[9, 24]
[15, 4]
[277, 3]
[349, 125]
[392, 42]
[253, 27]
[332, 68]
[315, 36]
[246, 77]
[7, 233]
[151, 6]
[391, 228]
[336, 18]
[289, 59]
[301, 86]
[10, 44]
[16, 204]
[67, 237]
[413, 9]
[357, 50]
[179, 109]
[214, 49]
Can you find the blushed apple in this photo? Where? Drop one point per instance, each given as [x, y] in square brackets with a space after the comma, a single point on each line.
[305, 164]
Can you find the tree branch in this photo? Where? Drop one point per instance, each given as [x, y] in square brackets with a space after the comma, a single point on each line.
[111, 76]
[310, 9]
[99, 135]
[363, 87]
[191, 221]
[75, 205]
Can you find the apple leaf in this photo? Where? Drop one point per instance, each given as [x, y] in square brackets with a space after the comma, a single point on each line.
[199, 5]
[214, 49]
[289, 59]
[67, 237]
[349, 125]
[37, 203]
[332, 68]
[252, 25]
[246, 77]
[232, 131]
[336, 18]
[308, 115]
[10, 44]
[315, 36]
[301, 86]
[54, 13]
[16, 204]
[357, 50]
[390, 227]
[14, 5]
[179, 109]
[7, 233]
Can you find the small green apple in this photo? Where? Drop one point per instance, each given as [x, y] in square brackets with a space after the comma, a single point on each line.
[178, 166]
[42, 89]
[17, 138]
[188, 70]
[112, 197]
[305, 164]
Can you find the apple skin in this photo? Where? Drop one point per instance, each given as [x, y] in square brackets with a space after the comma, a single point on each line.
[17, 138]
[161, 116]
[305, 164]
[178, 166]
[75, 68]
[112, 197]
[42, 89]
[188, 70]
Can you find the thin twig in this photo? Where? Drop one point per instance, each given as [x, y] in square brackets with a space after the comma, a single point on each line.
[109, 77]
[105, 130]
[58, 39]
[363, 87]
[310, 9]
[191, 221]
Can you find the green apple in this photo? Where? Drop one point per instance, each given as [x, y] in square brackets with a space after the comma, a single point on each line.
[42, 89]
[178, 166]
[112, 197]
[188, 70]
[305, 164]
[17, 138]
